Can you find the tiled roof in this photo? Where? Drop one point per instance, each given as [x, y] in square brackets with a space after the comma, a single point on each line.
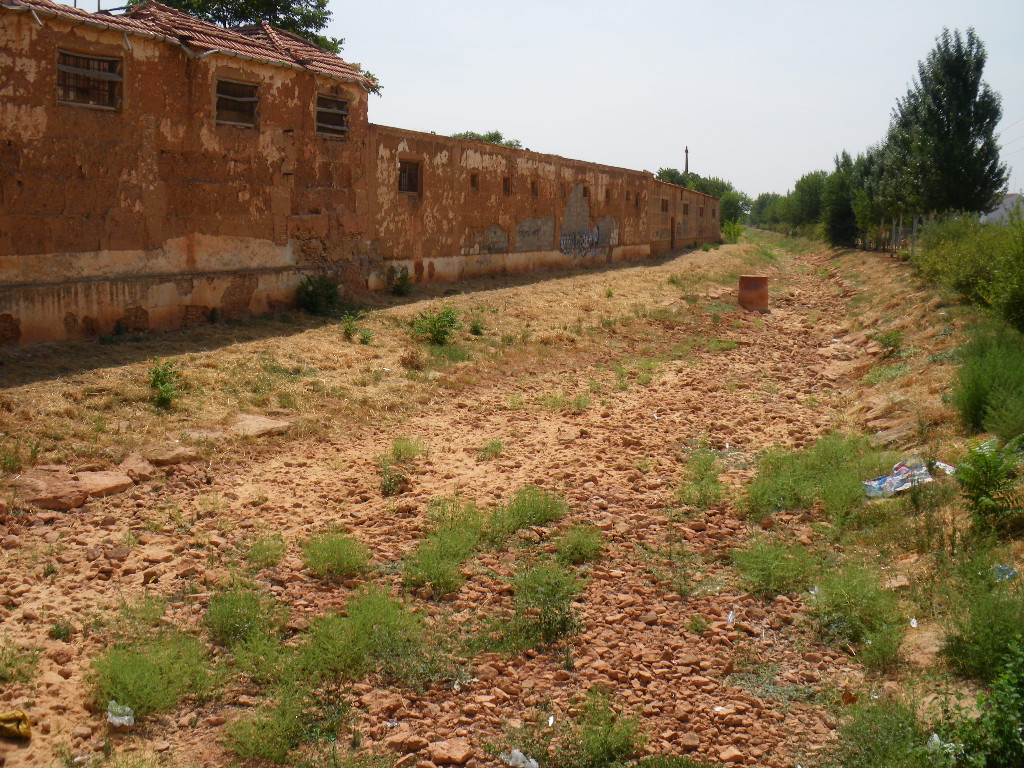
[260, 41]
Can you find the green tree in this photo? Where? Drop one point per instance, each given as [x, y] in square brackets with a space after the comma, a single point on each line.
[806, 199]
[837, 217]
[943, 130]
[491, 137]
[305, 18]
[733, 204]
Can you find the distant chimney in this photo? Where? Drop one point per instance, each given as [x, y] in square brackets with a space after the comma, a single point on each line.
[686, 168]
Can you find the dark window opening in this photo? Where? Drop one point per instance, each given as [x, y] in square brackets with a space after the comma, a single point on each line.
[408, 176]
[607, 195]
[563, 190]
[237, 103]
[533, 189]
[506, 185]
[686, 209]
[474, 181]
[586, 191]
[701, 214]
[629, 196]
[93, 81]
[636, 200]
[664, 205]
[714, 212]
[680, 194]
[331, 116]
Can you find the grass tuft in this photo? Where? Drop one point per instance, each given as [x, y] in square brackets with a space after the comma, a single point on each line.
[579, 544]
[531, 506]
[333, 555]
[773, 568]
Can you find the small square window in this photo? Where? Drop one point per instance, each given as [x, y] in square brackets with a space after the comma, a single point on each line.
[92, 81]
[331, 116]
[714, 212]
[629, 196]
[409, 176]
[237, 103]
[664, 205]
[506, 185]
[474, 182]
[534, 191]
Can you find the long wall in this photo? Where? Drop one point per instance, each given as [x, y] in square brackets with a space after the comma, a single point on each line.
[154, 215]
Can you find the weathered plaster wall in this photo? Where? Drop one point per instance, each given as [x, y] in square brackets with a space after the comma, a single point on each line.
[103, 211]
[153, 215]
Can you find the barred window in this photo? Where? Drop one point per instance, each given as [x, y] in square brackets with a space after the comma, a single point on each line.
[664, 205]
[93, 81]
[408, 176]
[331, 116]
[237, 103]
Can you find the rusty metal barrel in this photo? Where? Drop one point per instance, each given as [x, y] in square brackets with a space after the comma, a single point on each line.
[753, 293]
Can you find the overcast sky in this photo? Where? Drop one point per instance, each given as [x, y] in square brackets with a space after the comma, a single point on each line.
[761, 92]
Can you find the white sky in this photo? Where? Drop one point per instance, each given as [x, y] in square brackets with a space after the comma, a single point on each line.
[762, 92]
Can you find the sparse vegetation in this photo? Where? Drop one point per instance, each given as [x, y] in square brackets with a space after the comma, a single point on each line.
[989, 387]
[17, 662]
[831, 471]
[266, 552]
[702, 486]
[164, 380]
[332, 555]
[544, 596]
[530, 506]
[239, 614]
[771, 568]
[989, 480]
[492, 449]
[150, 676]
[318, 295]
[456, 529]
[579, 544]
[436, 328]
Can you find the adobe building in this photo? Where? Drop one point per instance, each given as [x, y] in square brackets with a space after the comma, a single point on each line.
[158, 171]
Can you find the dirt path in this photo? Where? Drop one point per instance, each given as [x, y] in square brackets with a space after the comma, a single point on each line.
[692, 370]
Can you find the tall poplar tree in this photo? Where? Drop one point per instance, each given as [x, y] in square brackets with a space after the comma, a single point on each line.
[943, 130]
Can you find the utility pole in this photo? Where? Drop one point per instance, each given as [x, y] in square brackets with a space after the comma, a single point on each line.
[686, 167]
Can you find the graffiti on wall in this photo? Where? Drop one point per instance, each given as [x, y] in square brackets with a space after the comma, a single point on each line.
[580, 243]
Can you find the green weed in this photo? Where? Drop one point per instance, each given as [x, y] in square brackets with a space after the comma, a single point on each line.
[883, 733]
[492, 449]
[544, 596]
[164, 380]
[988, 477]
[579, 544]
[456, 530]
[17, 663]
[333, 555]
[266, 551]
[701, 487]
[882, 374]
[436, 328]
[530, 506]
[150, 676]
[773, 568]
[238, 614]
[318, 295]
[989, 387]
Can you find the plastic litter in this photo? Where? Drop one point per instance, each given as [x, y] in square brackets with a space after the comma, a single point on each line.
[120, 715]
[517, 759]
[551, 720]
[1004, 572]
[15, 724]
[905, 475]
[913, 623]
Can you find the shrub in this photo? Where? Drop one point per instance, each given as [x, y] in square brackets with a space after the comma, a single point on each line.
[773, 568]
[393, 479]
[544, 596]
[882, 734]
[597, 737]
[983, 262]
[266, 551]
[401, 282]
[731, 231]
[850, 606]
[318, 295]
[335, 554]
[438, 327]
[164, 380]
[150, 676]
[379, 635]
[832, 471]
[239, 614]
[988, 480]
[264, 658]
[529, 507]
[405, 450]
[580, 544]
[702, 486]
[456, 531]
[982, 629]
[993, 739]
[989, 387]
[274, 730]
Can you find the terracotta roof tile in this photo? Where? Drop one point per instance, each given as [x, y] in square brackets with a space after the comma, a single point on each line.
[259, 41]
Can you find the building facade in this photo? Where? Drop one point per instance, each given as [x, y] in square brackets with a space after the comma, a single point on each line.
[158, 171]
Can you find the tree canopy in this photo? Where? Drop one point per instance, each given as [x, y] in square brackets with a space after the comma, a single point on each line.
[306, 18]
[733, 204]
[491, 137]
